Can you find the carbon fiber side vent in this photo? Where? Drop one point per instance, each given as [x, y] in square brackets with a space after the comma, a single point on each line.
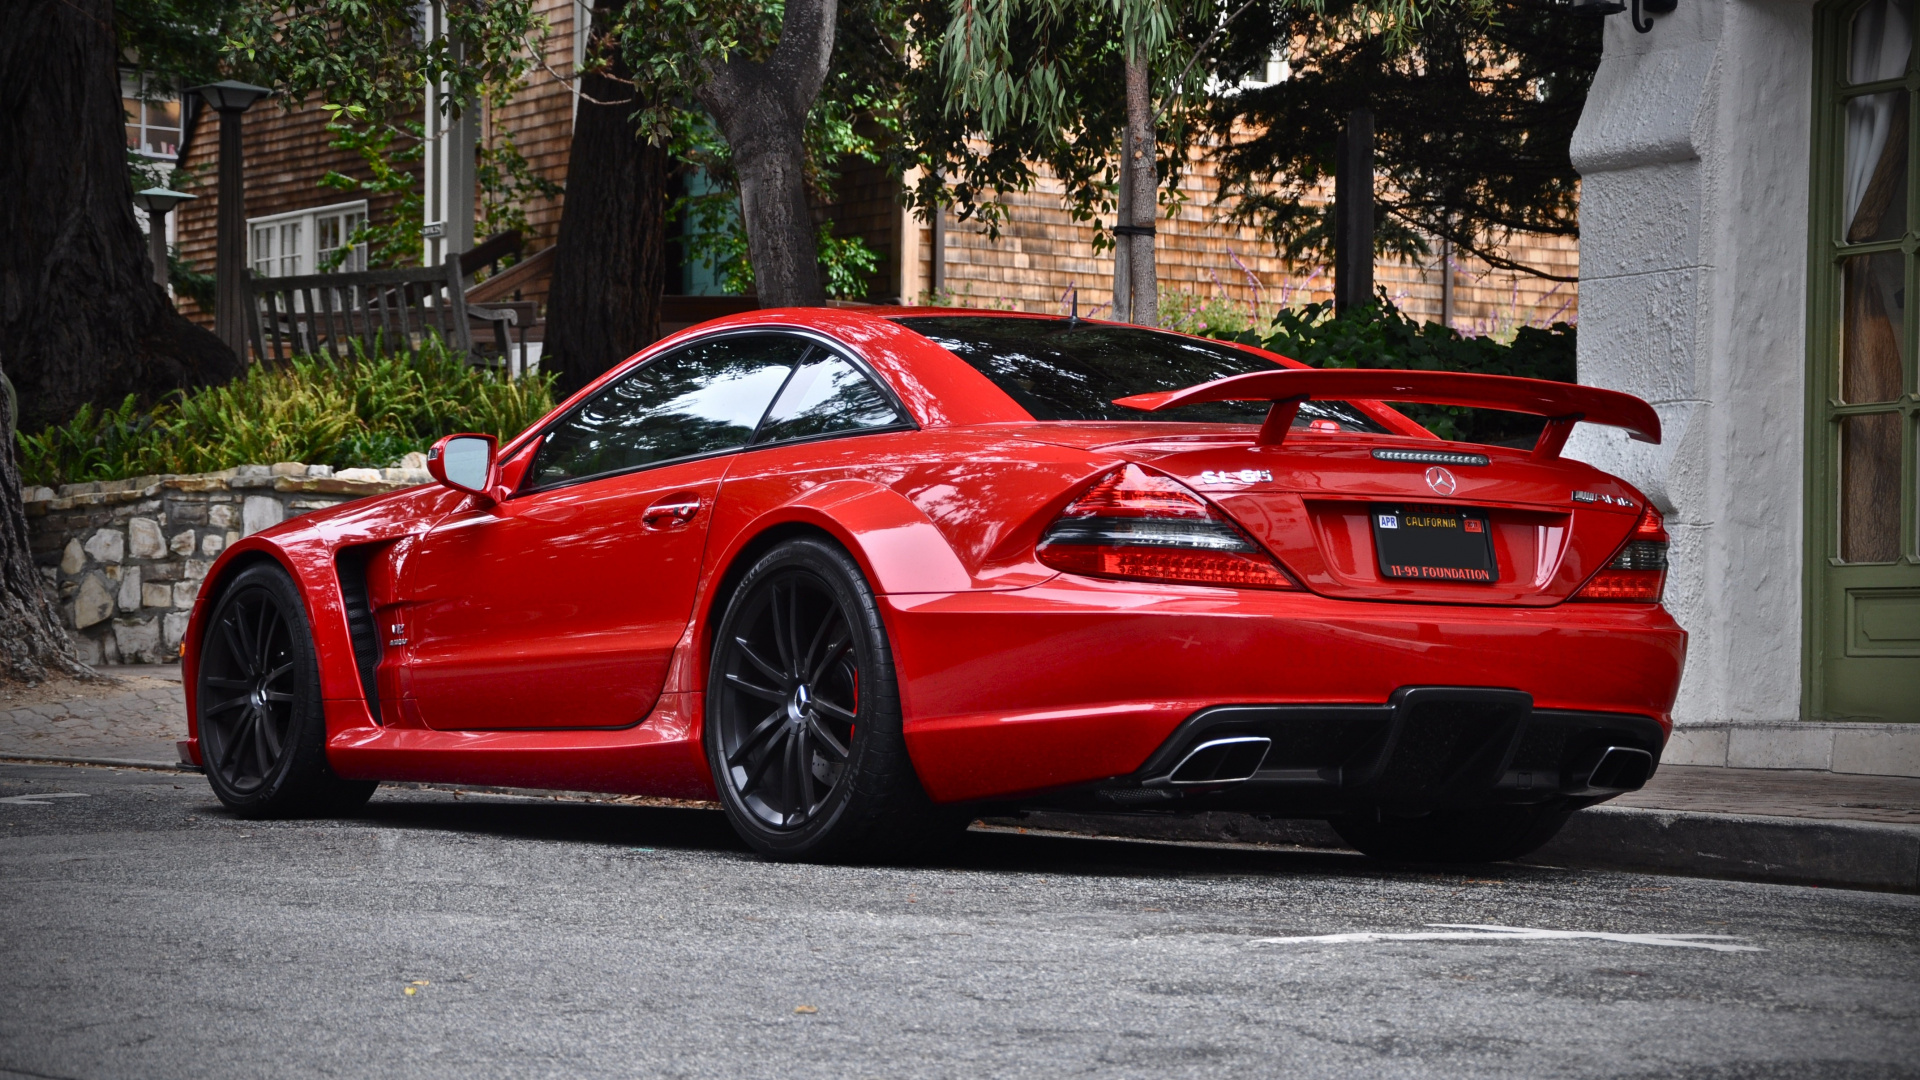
[351, 565]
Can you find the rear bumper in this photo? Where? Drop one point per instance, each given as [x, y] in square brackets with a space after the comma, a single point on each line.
[1078, 682]
[1429, 748]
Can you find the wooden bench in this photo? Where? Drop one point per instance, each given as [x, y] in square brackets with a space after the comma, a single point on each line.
[325, 313]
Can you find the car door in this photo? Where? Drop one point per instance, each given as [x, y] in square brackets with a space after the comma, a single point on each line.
[561, 606]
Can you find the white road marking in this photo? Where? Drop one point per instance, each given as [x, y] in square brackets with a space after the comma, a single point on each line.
[1480, 932]
[34, 799]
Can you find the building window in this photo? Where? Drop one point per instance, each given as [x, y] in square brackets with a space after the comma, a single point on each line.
[308, 241]
[1863, 413]
[153, 125]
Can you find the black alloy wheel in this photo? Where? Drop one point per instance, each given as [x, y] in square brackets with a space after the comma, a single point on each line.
[803, 716]
[261, 726]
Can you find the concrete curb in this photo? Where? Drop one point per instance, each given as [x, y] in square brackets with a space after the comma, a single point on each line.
[1786, 850]
[1800, 851]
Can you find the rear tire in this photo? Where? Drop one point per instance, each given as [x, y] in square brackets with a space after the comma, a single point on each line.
[262, 730]
[1492, 834]
[803, 725]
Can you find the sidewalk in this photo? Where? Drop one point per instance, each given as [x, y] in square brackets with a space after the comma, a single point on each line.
[1814, 828]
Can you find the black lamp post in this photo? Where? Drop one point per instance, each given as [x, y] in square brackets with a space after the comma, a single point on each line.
[231, 99]
[158, 202]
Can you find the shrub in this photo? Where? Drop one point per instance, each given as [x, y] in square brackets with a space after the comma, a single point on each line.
[369, 410]
[1381, 336]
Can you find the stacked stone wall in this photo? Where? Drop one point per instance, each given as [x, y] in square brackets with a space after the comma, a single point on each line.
[125, 558]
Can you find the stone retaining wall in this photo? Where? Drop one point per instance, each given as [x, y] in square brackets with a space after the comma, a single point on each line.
[125, 558]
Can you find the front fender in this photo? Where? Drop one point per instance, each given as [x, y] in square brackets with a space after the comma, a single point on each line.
[305, 548]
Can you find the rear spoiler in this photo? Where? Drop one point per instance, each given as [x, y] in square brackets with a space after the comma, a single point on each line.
[1563, 404]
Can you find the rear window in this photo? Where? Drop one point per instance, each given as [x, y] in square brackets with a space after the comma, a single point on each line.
[1061, 370]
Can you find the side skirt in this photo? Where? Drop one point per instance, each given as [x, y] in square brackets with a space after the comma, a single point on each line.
[662, 756]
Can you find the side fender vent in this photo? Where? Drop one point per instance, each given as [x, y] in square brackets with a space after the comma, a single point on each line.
[351, 565]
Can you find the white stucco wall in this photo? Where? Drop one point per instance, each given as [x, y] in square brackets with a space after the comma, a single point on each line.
[1693, 151]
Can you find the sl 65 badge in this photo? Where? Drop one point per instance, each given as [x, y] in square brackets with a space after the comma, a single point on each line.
[1244, 476]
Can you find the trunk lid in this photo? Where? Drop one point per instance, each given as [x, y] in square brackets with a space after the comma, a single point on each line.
[1314, 501]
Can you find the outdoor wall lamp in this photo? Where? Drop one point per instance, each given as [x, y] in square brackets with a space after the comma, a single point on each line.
[158, 202]
[1642, 23]
[230, 99]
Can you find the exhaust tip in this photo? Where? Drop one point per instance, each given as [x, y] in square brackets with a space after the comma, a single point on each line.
[1621, 768]
[1221, 761]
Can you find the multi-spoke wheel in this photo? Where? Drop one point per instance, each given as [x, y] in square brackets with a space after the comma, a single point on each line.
[262, 732]
[803, 714]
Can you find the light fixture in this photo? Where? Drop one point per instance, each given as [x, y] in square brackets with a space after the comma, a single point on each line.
[230, 96]
[1641, 22]
[230, 99]
[158, 202]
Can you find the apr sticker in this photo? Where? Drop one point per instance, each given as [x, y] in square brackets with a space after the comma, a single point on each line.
[1388, 521]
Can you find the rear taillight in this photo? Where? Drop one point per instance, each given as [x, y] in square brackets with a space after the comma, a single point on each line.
[1638, 571]
[1143, 526]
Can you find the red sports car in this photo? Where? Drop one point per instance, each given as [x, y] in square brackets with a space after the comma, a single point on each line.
[859, 574]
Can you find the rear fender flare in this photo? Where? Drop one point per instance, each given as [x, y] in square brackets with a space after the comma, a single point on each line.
[898, 547]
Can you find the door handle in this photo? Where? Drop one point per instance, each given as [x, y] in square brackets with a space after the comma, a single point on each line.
[672, 512]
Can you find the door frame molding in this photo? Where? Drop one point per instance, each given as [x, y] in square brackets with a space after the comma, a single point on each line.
[1820, 479]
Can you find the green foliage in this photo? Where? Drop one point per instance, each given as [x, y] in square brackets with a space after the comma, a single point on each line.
[369, 65]
[1382, 336]
[368, 411]
[1004, 86]
[987, 137]
[507, 180]
[187, 280]
[709, 217]
[1473, 116]
[396, 240]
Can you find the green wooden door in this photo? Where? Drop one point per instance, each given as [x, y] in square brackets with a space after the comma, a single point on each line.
[1864, 576]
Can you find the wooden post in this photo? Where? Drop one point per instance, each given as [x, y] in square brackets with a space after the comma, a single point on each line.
[1353, 213]
[937, 248]
[1122, 264]
[230, 241]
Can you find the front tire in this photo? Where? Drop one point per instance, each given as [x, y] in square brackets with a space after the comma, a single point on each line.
[257, 702]
[1491, 834]
[803, 724]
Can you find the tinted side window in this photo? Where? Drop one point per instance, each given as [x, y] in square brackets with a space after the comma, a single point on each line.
[701, 399]
[825, 395]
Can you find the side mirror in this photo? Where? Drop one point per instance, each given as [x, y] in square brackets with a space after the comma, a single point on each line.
[464, 463]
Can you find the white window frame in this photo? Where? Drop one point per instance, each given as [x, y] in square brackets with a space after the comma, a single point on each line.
[284, 245]
[141, 121]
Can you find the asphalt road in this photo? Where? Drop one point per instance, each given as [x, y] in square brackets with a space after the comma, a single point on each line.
[145, 933]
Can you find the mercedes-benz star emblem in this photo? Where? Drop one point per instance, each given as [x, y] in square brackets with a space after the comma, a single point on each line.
[1440, 480]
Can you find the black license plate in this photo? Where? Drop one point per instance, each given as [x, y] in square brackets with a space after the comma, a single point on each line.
[1434, 543]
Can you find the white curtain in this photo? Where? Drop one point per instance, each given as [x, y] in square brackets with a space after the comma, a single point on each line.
[1882, 39]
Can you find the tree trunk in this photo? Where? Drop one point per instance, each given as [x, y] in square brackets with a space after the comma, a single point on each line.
[81, 319]
[32, 643]
[610, 264]
[1144, 178]
[762, 111]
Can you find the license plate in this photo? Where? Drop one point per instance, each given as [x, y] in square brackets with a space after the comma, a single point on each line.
[1434, 543]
